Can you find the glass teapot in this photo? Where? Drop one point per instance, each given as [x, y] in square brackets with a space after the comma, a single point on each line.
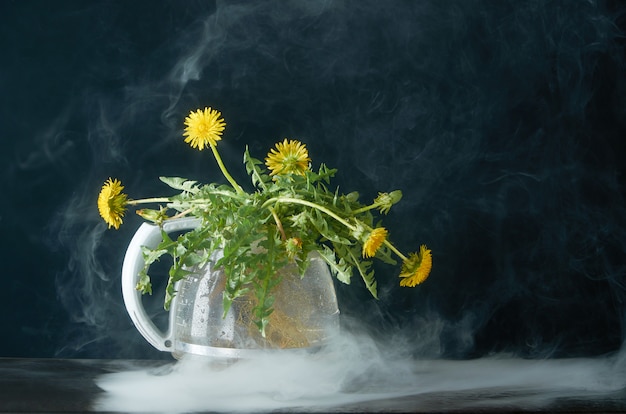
[305, 312]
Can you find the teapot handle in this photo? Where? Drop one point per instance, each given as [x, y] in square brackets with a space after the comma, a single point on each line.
[148, 235]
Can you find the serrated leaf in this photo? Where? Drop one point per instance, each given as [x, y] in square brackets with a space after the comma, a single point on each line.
[321, 225]
[176, 273]
[167, 243]
[259, 179]
[341, 270]
[182, 184]
[150, 256]
[195, 258]
[384, 254]
[367, 276]
[229, 296]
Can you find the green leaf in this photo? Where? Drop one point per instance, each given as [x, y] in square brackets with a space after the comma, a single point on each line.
[170, 292]
[367, 276]
[144, 285]
[259, 179]
[320, 223]
[150, 256]
[196, 258]
[229, 296]
[384, 254]
[167, 243]
[177, 273]
[261, 325]
[352, 197]
[341, 270]
[227, 302]
[180, 250]
[183, 184]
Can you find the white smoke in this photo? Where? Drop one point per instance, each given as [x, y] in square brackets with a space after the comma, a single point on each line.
[355, 373]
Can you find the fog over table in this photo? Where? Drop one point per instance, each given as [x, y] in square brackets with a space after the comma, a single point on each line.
[503, 123]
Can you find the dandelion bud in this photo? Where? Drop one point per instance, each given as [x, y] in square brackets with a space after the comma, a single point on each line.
[386, 200]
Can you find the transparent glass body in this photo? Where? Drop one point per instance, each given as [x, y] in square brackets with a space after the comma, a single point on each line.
[305, 313]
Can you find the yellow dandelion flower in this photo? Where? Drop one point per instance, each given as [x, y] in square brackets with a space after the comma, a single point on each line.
[374, 241]
[289, 157]
[112, 202]
[416, 268]
[204, 128]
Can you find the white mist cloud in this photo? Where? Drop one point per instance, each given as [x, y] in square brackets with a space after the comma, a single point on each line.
[355, 371]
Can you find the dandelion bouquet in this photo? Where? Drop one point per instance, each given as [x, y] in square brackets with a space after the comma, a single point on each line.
[290, 213]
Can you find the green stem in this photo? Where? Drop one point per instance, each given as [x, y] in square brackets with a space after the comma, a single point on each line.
[309, 204]
[193, 201]
[269, 273]
[148, 200]
[366, 208]
[396, 251]
[278, 224]
[230, 179]
[183, 203]
[214, 192]
[182, 214]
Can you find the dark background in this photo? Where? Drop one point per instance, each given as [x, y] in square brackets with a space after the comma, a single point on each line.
[503, 122]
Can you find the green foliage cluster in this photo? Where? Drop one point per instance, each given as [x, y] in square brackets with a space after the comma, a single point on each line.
[283, 219]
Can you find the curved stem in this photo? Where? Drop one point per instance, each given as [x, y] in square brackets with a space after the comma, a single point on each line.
[279, 224]
[220, 163]
[309, 204]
